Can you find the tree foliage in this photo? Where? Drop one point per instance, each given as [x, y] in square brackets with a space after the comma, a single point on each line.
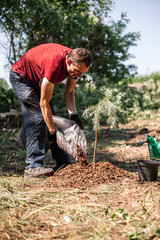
[30, 23]
[105, 111]
[111, 51]
[75, 23]
[3, 84]
[8, 99]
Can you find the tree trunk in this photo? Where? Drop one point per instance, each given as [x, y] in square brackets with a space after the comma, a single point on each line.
[95, 146]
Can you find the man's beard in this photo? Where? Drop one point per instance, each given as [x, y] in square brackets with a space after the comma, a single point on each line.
[73, 77]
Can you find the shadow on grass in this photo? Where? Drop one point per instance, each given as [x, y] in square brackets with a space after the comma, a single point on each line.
[119, 138]
[11, 156]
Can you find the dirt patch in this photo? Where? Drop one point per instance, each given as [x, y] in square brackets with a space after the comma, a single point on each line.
[116, 157]
[117, 207]
[78, 176]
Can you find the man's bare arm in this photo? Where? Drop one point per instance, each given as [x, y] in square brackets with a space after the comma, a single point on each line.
[69, 95]
[46, 95]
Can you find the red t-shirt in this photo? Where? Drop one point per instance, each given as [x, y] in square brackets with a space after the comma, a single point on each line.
[46, 60]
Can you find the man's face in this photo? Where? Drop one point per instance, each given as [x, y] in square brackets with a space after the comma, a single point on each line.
[76, 70]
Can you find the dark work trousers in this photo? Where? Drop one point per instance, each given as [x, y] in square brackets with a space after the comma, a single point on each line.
[32, 119]
[33, 123]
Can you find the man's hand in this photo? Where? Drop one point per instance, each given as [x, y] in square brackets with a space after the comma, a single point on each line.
[76, 118]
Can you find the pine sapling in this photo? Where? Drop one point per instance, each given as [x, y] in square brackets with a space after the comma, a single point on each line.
[105, 108]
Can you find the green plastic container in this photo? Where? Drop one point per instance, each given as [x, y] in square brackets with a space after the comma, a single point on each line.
[153, 148]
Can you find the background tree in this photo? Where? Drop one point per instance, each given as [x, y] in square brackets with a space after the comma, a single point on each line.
[8, 99]
[3, 84]
[72, 23]
[110, 49]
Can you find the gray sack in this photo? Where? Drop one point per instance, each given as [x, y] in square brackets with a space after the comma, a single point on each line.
[69, 136]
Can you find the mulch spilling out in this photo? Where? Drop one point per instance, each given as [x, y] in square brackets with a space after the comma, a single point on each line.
[78, 176]
[82, 158]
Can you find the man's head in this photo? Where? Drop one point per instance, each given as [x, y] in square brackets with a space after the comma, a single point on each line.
[78, 62]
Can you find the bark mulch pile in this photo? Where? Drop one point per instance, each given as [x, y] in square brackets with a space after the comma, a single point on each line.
[80, 176]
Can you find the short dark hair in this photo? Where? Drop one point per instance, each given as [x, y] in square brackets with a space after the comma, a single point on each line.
[81, 55]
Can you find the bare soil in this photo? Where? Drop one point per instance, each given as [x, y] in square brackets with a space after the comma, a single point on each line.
[77, 202]
[116, 159]
[116, 156]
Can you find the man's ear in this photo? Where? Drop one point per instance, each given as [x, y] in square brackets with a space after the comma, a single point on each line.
[69, 61]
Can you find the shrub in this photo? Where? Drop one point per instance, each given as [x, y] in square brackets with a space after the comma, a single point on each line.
[8, 100]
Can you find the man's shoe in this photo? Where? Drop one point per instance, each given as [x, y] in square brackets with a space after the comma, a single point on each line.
[38, 171]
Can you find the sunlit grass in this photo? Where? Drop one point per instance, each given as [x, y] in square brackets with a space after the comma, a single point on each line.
[124, 211]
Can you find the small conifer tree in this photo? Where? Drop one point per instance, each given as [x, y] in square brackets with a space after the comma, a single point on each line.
[106, 108]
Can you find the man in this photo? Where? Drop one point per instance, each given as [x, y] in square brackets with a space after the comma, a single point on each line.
[33, 78]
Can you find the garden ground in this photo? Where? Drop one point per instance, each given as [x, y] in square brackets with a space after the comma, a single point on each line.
[77, 202]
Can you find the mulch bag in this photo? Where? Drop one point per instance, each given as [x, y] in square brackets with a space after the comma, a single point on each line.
[153, 148]
[69, 136]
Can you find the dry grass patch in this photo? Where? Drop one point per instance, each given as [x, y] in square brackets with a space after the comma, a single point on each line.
[116, 210]
[125, 210]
